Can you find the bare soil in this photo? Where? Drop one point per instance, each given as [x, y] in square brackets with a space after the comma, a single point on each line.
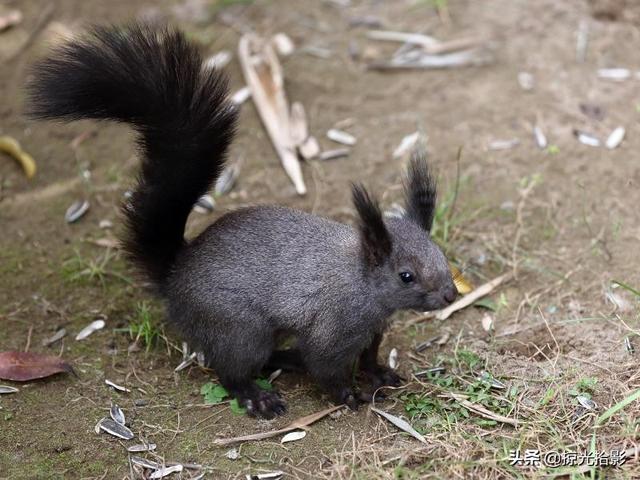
[569, 237]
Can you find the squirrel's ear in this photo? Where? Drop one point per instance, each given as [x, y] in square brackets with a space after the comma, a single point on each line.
[375, 238]
[420, 190]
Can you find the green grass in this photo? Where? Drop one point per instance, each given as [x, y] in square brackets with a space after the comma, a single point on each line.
[215, 394]
[91, 270]
[618, 406]
[144, 327]
[447, 217]
[431, 411]
[628, 288]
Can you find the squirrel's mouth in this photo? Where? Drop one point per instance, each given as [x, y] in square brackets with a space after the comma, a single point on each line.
[438, 300]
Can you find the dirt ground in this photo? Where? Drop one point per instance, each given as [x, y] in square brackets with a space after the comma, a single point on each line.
[564, 218]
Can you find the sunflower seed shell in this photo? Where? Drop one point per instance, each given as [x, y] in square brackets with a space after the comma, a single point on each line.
[117, 414]
[89, 329]
[115, 429]
[76, 211]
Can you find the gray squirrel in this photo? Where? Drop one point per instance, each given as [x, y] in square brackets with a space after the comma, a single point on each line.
[256, 274]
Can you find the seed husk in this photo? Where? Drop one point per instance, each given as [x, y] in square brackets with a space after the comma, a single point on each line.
[487, 322]
[393, 358]
[164, 471]
[117, 414]
[615, 138]
[190, 360]
[342, 137]
[116, 386]
[7, 389]
[293, 436]
[105, 224]
[628, 345]
[277, 475]
[526, 81]
[53, 339]
[142, 447]
[241, 96]
[487, 378]
[143, 462]
[406, 144]
[76, 211]
[541, 139]
[113, 428]
[205, 204]
[586, 402]
[97, 427]
[89, 329]
[227, 179]
[219, 60]
[586, 138]
[617, 74]
[431, 371]
[283, 44]
[503, 144]
[274, 375]
[332, 154]
[437, 340]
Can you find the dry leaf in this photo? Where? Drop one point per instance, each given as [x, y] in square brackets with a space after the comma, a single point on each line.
[401, 424]
[25, 366]
[300, 423]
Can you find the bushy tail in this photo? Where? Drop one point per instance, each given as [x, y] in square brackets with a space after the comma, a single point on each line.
[154, 80]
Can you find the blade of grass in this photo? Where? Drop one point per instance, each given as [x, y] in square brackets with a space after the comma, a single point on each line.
[627, 287]
[617, 407]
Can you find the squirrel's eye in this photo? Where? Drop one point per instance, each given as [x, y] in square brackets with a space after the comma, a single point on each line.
[406, 277]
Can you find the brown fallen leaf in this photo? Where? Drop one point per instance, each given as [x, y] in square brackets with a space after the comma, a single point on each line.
[300, 423]
[25, 366]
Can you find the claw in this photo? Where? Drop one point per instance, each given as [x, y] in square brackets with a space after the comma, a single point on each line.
[267, 405]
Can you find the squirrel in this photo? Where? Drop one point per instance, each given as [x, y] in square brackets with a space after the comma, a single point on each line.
[259, 272]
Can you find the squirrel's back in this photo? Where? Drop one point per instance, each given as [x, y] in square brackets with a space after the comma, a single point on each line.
[292, 258]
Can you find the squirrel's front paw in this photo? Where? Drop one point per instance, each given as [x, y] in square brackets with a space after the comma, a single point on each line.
[347, 397]
[383, 377]
[264, 404]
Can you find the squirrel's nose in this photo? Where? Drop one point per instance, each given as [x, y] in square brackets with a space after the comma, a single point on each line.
[450, 294]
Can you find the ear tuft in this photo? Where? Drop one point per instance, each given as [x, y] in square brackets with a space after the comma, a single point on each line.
[375, 238]
[420, 190]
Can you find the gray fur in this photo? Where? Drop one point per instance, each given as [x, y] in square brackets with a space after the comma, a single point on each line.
[262, 271]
